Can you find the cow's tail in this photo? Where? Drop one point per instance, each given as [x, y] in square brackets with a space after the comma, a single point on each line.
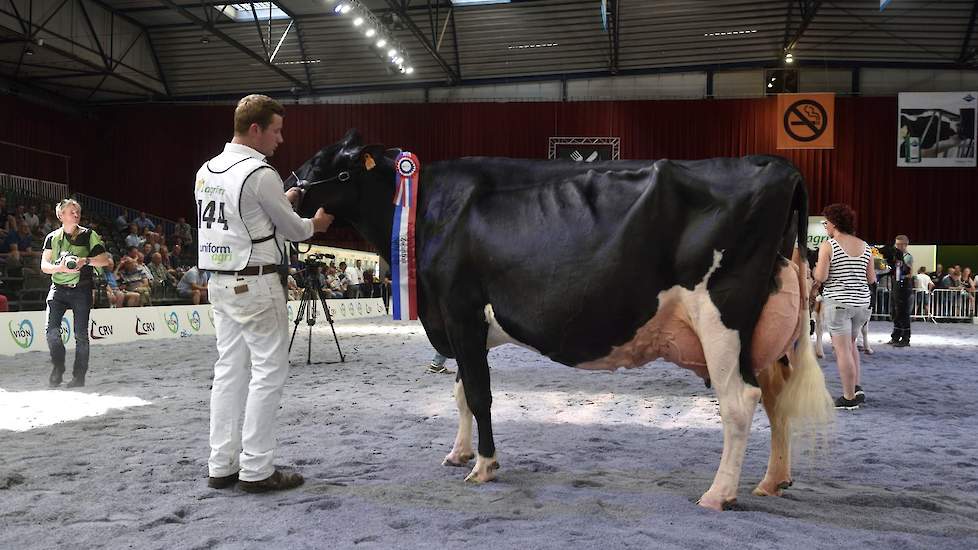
[804, 402]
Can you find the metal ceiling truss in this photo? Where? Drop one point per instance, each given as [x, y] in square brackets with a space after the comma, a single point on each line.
[302, 45]
[43, 34]
[614, 7]
[967, 55]
[401, 9]
[208, 25]
[807, 9]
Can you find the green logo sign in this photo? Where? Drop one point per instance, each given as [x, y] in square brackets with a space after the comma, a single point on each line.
[23, 333]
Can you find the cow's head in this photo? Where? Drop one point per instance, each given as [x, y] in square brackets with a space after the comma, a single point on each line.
[338, 176]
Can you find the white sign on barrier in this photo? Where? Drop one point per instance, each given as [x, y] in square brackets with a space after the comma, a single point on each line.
[25, 330]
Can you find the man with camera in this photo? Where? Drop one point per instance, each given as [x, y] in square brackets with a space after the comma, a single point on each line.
[70, 254]
[243, 219]
[902, 272]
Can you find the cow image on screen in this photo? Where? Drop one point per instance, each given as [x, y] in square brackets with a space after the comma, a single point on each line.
[711, 245]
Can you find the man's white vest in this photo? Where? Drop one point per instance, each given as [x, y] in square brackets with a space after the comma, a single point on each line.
[223, 241]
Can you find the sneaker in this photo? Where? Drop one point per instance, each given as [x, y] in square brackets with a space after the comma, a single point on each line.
[901, 344]
[847, 404]
[438, 369]
[892, 342]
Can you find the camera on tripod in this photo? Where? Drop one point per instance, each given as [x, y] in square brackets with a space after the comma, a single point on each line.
[318, 259]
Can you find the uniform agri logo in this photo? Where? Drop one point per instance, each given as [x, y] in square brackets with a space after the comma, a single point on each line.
[143, 327]
[218, 253]
[98, 332]
[23, 333]
[194, 318]
[172, 321]
[65, 330]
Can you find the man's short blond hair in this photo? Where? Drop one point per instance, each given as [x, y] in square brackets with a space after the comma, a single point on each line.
[903, 239]
[60, 207]
[255, 109]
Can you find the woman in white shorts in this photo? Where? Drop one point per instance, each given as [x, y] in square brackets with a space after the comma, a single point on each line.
[845, 271]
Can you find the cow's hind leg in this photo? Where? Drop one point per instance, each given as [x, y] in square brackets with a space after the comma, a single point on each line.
[468, 339]
[819, 330]
[737, 403]
[865, 331]
[778, 477]
[462, 450]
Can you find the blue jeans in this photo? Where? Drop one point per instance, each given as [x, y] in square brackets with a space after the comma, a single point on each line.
[438, 360]
[79, 300]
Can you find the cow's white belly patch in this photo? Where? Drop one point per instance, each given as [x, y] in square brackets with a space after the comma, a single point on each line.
[497, 336]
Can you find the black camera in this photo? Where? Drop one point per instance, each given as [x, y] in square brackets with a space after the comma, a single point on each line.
[318, 259]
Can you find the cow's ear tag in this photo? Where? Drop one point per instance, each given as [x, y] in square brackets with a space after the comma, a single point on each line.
[369, 162]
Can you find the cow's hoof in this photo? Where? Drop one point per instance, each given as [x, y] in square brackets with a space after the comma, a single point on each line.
[769, 489]
[484, 470]
[717, 504]
[819, 353]
[457, 459]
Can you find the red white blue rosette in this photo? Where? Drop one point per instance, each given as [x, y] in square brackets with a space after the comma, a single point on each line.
[404, 291]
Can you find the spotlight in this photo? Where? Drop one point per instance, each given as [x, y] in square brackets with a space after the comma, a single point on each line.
[345, 9]
[29, 51]
[399, 60]
[788, 58]
[409, 70]
[769, 85]
[370, 32]
[204, 40]
[358, 21]
[381, 43]
[338, 8]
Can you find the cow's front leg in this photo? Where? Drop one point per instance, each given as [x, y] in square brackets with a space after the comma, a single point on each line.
[737, 403]
[468, 339]
[865, 331]
[462, 450]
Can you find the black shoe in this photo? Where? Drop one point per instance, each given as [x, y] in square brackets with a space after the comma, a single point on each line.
[76, 382]
[222, 482]
[279, 481]
[893, 342]
[860, 394]
[901, 344]
[56, 377]
[847, 404]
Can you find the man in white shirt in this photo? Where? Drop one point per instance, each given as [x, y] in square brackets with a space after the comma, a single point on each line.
[922, 286]
[354, 278]
[243, 219]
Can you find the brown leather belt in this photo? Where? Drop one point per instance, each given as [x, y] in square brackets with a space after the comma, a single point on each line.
[250, 270]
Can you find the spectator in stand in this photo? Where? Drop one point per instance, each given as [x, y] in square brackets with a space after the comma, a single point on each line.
[145, 223]
[353, 279]
[937, 275]
[121, 224]
[193, 286]
[161, 277]
[133, 278]
[15, 264]
[292, 290]
[30, 216]
[178, 261]
[184, 231]
[147, 250]
[968, 284]
[368, 283]
[133, 238]
[118, 296]
[4, 215]
[22, 237]
[922, 286]
[49, 224]
[334, 287]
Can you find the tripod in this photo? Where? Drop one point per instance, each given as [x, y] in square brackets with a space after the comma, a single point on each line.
[312, 294]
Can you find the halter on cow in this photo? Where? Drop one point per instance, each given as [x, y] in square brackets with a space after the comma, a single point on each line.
[686, 261]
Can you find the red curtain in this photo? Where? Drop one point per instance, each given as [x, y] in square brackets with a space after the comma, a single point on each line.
[145, 156]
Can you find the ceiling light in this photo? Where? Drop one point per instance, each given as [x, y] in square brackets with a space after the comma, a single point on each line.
[338, 8]
[204, 40]
[788, 58]
[381, 43]
[769, 85]
[370, 32]
[392, 53]
[409, 70]
[29, 51]
[358, 21]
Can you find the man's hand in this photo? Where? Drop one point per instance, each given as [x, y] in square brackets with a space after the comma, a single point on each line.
[294, 195]
[321, 221]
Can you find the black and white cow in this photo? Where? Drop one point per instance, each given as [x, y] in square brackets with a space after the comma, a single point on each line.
[685, 260]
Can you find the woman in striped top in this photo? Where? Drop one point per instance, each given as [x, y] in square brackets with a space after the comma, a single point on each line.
[845, 270]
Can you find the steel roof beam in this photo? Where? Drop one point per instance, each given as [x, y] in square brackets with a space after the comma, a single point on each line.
[968, 53]
[401, 12]
[209, 27]
[808, 9]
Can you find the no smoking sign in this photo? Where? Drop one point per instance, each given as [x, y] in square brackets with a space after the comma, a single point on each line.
[805, 121]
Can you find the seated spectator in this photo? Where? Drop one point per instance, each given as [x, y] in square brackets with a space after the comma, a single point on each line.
[178, 261]
[22, 237]
[4, 215]
[334, 284]
[145, 223]
[14, 262]
[133, 239]
[49, 224]
[184, 231]
[121, 224]
[193, 285]
[147, 250]
[293, 291]
[133, 279]
[161, 278]
[30, 216]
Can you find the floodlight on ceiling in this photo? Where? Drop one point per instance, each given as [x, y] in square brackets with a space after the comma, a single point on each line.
[381, 43]
[788, 58]
[358, 21]
[370, 33]
[376, 30]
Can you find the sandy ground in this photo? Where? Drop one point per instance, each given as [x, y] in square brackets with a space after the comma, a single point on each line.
[589, 459]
